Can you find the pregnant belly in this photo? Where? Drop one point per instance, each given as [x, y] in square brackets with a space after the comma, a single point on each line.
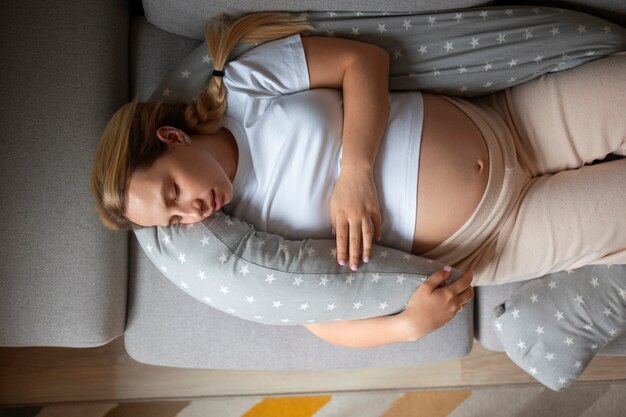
[453, 173]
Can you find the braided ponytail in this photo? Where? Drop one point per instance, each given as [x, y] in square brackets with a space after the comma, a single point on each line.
[222, 36]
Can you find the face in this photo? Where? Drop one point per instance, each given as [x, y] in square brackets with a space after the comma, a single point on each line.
[185, 185]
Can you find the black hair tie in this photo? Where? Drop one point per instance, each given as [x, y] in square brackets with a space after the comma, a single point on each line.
[217, 73]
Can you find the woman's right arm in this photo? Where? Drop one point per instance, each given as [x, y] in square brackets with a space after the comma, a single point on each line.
[428, 309]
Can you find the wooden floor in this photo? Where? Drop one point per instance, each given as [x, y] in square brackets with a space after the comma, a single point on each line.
[37, 376]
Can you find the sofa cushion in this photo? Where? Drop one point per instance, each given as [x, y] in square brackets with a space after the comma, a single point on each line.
[63, 275]
[188, 17]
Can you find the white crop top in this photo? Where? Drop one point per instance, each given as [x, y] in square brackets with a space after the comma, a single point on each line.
[290, 147]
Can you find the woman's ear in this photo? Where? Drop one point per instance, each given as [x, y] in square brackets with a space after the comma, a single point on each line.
[169, 135]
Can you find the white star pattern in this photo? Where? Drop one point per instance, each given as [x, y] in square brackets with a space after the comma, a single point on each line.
[407, 24]
[528, 34]
[204, 241]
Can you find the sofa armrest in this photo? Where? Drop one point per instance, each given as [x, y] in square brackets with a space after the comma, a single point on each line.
[63, 276]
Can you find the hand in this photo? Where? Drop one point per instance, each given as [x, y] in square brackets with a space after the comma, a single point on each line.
[353, 207]
[430, 307]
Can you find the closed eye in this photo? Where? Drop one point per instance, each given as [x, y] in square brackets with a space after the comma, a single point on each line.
[176, 192]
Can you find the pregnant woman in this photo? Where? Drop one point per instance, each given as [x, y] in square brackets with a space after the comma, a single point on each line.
[301, 134]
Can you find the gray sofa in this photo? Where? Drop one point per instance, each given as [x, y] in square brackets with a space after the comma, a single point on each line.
[66, 280]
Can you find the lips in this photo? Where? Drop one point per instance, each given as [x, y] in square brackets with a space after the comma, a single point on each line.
[216, 204]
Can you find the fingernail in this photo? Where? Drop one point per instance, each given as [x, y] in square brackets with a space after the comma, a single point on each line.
[366, 259]
[342, 262]
[353, 267]
[447, 268]
[334, 231]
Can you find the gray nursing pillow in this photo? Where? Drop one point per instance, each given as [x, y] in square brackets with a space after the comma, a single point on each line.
[552, 327]
[226, 264]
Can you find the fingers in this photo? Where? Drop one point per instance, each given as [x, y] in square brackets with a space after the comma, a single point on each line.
[462, 283]
[437, 278]
[355, 245]
[349, 243]
[342, 242]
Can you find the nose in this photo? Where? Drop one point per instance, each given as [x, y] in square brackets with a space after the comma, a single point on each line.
[194, 211]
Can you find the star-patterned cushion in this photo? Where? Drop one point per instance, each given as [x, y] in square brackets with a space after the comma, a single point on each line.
[552, 327]
[224, 263]
[463, 53]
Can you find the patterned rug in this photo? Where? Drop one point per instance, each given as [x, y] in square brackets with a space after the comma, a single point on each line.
[580, 400]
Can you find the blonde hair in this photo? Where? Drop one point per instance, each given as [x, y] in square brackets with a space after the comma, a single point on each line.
[129, 140]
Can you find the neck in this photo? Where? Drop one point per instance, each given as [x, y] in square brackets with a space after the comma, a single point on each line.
[223, 146]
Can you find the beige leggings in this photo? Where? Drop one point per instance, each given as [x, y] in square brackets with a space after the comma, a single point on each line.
[545, 208]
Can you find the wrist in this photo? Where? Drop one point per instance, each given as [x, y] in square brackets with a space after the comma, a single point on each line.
[408, 328]
[360, 167]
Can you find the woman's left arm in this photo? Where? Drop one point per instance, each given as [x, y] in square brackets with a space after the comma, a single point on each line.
[361, 71]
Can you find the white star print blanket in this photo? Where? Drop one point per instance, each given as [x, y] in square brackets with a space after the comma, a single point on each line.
[552, 333]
